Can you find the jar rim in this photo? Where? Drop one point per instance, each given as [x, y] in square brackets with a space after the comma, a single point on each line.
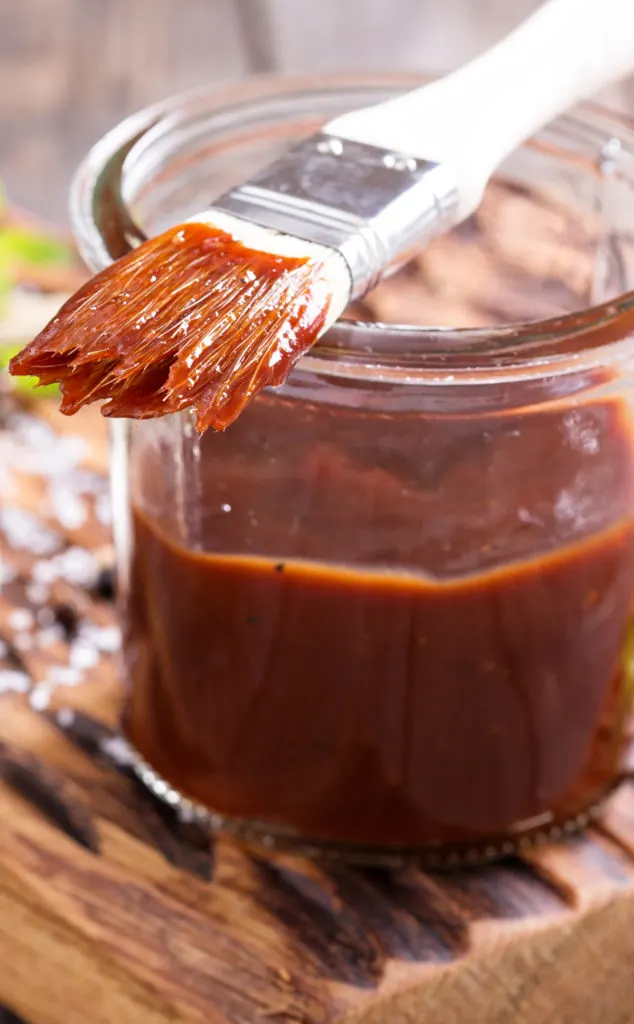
[364, 351]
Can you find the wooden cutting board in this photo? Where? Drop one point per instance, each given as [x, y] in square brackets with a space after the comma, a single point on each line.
[112, 911]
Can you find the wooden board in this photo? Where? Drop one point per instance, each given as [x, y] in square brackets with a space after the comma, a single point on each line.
[111, 910]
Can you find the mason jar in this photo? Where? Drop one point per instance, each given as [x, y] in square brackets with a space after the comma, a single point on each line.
[387, 612]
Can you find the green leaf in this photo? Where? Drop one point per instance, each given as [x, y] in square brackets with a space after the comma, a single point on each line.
[23, 245]
[29, 384]
[5, 285]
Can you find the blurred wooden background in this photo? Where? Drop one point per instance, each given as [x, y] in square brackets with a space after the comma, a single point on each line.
[69, 69]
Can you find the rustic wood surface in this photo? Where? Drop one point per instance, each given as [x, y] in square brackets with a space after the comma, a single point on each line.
[69, 69]
[113, 910]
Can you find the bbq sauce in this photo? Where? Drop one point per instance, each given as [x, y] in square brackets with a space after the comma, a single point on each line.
[192, 317]
[461, 674]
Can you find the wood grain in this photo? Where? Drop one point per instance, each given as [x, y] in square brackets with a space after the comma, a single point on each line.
[70, 69]
[132, 914]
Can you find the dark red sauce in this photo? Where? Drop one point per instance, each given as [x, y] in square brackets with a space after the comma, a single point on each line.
[420, 693]
[190, 318]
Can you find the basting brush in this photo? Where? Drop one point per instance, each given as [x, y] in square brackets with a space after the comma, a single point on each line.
[214, 309]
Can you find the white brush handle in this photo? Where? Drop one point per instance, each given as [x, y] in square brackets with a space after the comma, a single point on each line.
[474, 117]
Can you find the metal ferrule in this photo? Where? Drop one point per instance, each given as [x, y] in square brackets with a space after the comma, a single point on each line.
[370, 204]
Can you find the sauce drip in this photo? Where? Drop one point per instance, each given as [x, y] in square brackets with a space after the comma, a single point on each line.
[190, 318]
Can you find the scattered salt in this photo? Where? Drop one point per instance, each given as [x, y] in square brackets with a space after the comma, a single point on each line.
[7, 573]
[45, 617]
[65, 717]
[83, 656]
[118, 750]
[24, 532]
[63, 675]
[21, 618]
[37, 593]
[14, 681]
[68, 506]
[44, 573]
[31, 447]
[49, 636]
[106, 639]
[103, 508]
[40, 696]
[75, 565]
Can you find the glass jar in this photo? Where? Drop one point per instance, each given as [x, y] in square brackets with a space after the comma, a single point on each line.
[388, 611]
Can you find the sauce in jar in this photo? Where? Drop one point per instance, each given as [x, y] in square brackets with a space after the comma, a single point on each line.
[391, 605]
[460, 680]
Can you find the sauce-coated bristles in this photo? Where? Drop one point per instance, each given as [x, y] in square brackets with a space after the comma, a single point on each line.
[190, 318]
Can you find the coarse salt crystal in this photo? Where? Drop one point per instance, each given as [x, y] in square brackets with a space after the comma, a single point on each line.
[21, 618]
[26, 533]
[37, 593]
[45, 616]
[63, 675]
[23, 641]
[14, 681]
[83, 656]
[105, 638]
[40, 697]
[118, 750]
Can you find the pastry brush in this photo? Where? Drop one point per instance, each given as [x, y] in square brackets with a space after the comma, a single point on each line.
[214, 309]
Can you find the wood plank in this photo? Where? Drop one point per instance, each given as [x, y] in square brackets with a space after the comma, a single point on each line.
[71, 69]
[416, 35]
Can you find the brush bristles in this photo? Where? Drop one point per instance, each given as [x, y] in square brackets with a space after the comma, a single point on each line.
[190, 318]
